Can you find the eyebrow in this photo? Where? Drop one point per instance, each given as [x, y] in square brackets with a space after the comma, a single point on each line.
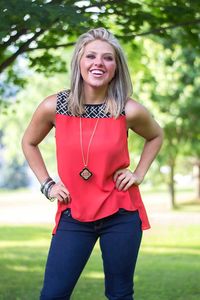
[93, 52]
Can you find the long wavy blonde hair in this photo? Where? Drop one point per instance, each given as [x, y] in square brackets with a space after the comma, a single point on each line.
[120, 87]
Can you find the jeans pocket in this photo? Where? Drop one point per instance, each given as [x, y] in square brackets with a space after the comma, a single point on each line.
[67, 212]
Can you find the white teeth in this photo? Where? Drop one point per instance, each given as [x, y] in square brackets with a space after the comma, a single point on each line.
[97, 72]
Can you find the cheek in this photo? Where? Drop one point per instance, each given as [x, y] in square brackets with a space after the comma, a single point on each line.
[112, 69]
[84, 67]
[82, 71]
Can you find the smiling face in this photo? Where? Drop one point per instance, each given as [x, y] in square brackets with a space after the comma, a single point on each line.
[97, 64]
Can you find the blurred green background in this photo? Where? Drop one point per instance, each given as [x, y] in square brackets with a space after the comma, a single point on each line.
[162, 44]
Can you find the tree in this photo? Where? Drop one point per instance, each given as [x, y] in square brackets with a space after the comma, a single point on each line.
[33, 34]
[14, 123]
[31, 29]
[171, 82]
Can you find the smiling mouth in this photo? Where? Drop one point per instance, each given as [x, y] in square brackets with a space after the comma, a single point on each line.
[97, 72]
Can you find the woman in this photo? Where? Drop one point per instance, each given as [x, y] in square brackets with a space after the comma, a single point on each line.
[98, 196]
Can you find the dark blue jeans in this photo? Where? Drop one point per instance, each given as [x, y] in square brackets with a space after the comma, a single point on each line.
[119, 235]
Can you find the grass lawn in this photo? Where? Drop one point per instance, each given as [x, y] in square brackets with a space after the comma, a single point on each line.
[168, 266]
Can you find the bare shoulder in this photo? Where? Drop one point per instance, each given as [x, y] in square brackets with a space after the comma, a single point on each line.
[46, 110]
[140, 120]
[49, 104]
[135, 111]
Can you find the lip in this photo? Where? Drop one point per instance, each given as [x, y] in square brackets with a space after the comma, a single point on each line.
[103, 71]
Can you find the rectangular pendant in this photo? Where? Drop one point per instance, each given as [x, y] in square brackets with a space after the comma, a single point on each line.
[85, 173]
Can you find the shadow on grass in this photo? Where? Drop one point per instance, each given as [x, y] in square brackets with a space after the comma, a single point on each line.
[22, 271]
[188, 206]
[167, 276]
[161, 274]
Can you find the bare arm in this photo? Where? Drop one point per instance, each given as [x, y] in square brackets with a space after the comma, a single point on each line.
[140, 121]
[41, 123]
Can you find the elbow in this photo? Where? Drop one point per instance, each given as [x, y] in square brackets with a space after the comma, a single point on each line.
[158, 136]
[24, 143]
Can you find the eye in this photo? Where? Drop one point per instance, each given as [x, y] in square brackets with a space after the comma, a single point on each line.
[109, 58]
[91, 56]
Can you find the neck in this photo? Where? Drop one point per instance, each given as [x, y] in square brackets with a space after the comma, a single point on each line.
[94, 96]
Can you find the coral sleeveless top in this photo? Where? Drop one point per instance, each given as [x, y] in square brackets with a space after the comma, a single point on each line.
[96, 197]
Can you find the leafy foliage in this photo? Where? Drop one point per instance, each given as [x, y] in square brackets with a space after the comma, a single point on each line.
[31, 29]
[162, 43]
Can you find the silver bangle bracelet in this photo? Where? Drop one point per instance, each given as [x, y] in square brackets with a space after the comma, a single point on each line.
[46, 186]
[48, 193]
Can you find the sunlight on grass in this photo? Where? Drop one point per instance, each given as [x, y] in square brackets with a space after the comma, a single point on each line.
[168, 266]
[98, 275]
[169, 250]
[36, 244]
[23, 268]
[18, 268]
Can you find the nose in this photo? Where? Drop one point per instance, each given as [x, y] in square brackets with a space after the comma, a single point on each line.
[98, 61]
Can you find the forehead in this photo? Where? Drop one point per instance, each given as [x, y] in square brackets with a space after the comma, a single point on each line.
[99, 46]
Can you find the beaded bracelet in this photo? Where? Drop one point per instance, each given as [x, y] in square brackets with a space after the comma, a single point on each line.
[46, 187]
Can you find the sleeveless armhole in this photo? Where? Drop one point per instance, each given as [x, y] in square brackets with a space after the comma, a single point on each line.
[62, 102]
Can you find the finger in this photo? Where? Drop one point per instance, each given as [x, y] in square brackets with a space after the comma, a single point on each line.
[123, 183]
[62, 187]
[117, 173]
[63, 199]
[115, 177]
[59, 187]
[60, 199]
[120, 178]
[65, 196]
[126, 174]
[128, 177]
[57, 190]
[67, 199]
[132, 181]
[64, 190]
[127, 186]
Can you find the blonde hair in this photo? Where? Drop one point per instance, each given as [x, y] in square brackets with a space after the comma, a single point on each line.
[120, 87]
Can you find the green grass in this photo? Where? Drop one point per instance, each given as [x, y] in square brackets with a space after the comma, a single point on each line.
[168, 266]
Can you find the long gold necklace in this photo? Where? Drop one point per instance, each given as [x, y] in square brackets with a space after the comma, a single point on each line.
[85, 172]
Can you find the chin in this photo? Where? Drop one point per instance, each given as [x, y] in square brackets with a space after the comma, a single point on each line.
[98, 84]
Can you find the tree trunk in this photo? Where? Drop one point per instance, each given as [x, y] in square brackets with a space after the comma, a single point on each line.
[172, 185]
[198, 180]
